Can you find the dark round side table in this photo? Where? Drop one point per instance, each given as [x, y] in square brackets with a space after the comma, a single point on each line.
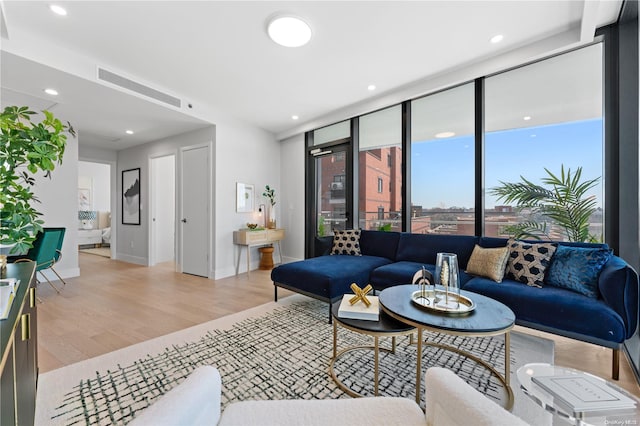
[386, 326]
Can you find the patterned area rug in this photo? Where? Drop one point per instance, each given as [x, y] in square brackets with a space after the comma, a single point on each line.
[283, 354]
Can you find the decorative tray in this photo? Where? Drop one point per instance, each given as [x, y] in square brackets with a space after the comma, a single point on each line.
[436, 301]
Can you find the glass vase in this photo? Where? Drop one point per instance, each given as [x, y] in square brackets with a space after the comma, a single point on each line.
[448, 277]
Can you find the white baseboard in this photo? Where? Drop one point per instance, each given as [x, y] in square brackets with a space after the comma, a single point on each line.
[64, 273]
[132, 259]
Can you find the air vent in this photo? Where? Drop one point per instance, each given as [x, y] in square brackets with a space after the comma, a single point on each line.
[141, 89]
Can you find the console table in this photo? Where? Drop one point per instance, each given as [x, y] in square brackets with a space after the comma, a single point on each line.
[248, 238]
[19, 346]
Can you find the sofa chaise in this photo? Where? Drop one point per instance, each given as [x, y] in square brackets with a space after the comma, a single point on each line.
[606, 315]
[449, 401]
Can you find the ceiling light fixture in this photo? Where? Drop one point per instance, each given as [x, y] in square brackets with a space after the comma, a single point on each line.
[443, 135]
[58, 10]
[496, 38]
[289, 31]
[52, 92]
[129, 132]
[526, 118]
[294, 117]
[371, 87]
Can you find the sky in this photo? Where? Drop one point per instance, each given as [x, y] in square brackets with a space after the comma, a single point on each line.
[442, 170]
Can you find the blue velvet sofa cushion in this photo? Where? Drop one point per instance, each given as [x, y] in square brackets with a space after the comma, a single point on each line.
[381, 244]
[423, 248]
[577, 269]
[402, 273]
[555, 308]
[327, 276]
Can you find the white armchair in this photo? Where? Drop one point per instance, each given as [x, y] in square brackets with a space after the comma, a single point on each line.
[450, 401]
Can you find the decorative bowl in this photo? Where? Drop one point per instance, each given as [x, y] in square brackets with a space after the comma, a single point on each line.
[252, 225]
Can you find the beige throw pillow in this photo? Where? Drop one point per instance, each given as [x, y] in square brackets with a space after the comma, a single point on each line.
[488, 262]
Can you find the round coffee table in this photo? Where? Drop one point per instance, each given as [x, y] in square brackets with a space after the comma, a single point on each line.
[489, 318]
[606, 390]
[386, 326]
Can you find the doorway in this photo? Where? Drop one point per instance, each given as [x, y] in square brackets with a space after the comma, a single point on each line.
[330, 174]
[163, 208]
[95, 202]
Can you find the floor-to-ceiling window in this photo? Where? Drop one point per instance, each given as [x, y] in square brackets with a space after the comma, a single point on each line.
[541, 119]
[442, 162]
[380, 170]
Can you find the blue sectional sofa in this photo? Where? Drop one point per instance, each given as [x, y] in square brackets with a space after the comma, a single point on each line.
[392, 258]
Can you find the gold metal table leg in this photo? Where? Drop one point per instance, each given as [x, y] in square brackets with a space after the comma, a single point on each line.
[335, 338]
[418, 365]
[376, 353]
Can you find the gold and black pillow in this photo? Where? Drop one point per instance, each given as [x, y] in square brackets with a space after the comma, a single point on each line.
[346, 242]
[528, 262]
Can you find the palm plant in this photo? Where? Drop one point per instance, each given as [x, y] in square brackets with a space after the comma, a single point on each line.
[26, 147]
[560, 199]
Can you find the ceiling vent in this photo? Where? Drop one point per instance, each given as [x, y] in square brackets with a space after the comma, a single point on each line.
[136, 87]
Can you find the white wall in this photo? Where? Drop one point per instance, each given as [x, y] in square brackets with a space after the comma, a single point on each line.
[292, 209]
[100, 178]
[133, 240]
[248, 155]
[59, 207]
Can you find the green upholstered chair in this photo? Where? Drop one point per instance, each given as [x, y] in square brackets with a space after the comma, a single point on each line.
[45, 252]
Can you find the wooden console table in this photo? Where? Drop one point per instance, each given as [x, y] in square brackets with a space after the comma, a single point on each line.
[248, 238]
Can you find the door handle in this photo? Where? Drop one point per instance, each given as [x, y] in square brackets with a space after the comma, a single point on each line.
[184, 220]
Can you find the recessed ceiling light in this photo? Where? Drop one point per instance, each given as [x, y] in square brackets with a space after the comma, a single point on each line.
[526, 118]
[129, 132]
[289, 31]
[443, 135]
[496, 38]
[371, 87]
[58, 10]
[52, 92]
[294, 117]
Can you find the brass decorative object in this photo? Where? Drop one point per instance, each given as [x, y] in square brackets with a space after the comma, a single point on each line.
[436, 302]
[360, 294]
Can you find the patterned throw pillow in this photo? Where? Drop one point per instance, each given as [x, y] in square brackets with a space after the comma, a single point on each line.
[488, 262]
[346, 242]
[528, 261]
[577, 269]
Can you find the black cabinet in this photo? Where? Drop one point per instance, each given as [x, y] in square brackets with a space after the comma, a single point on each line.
[18, 337]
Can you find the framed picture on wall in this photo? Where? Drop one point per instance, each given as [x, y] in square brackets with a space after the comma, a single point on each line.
[131, 197]
[244, 197]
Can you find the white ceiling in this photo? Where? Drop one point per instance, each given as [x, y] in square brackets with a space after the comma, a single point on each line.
[217, 56]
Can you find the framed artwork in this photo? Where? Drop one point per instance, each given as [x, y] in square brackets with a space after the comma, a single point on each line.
[245, 197]
[131, 197]
[84, 199]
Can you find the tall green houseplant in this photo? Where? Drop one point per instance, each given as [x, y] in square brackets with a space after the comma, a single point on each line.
[562, 198]
[26, 147]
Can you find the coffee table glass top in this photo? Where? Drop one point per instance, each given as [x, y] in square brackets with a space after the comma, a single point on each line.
[489, 316]
[545, 399]
[385, 323]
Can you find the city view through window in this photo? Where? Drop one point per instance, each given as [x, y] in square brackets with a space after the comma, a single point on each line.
[546, 115]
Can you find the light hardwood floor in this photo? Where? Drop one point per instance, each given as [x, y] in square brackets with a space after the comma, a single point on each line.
[116, 304]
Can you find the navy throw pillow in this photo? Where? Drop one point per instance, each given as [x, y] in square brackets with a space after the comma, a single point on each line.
[577, 269]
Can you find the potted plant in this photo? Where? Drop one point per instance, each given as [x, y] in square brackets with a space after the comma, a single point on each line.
[26, 147]
[561, 199]
[270, 194]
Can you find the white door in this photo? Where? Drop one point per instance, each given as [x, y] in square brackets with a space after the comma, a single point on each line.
[194, 219]
[163, 208]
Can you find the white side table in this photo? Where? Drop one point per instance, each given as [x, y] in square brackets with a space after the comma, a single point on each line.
[248, 238]
[626, 416]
